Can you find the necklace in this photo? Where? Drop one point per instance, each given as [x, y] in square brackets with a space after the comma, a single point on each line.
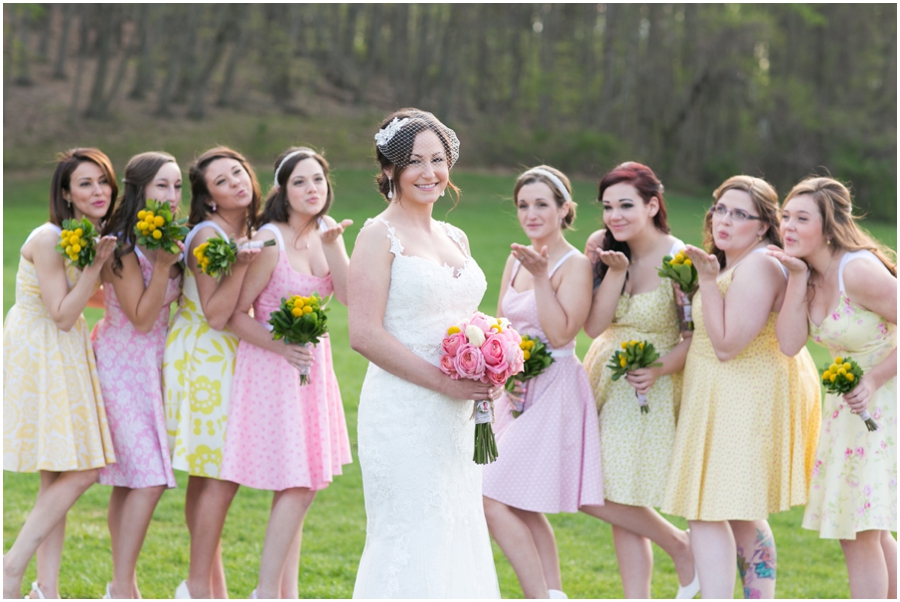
[821, 281]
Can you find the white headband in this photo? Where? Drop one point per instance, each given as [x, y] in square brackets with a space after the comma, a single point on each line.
[283, 161]
[556, 181]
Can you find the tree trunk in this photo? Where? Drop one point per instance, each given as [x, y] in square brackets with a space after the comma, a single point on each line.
[216, 51]
[143, 72]
[547, 58]
[23, 62]
[373, 47]
[45, 23]
[105, 25]
[226, 97]
[62, 51]
[609, 85]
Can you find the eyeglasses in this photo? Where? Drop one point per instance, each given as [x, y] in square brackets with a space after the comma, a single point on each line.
[738, 215]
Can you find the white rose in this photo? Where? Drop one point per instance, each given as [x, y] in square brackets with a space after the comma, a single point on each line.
[475, 335]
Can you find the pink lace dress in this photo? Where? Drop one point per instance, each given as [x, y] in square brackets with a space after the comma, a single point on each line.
[129, 363]
[549, 457]
[281, 435]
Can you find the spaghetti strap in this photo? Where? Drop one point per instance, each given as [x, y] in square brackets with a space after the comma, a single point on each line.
[278, 237]
[847, 258]
[453, 234]
[561, 261]
[678, 245]
[515, 270]
[190, 237]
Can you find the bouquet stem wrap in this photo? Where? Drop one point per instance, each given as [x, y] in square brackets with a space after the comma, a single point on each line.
[485, 443]
[642, 402]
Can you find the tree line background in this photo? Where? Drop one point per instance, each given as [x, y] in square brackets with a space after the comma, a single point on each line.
[697, 91]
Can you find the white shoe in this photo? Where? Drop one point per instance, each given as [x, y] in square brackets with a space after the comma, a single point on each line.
[35, 590]
[690, 590]
[182, 592]
[107, 595]
[555, 593]
[253, 594]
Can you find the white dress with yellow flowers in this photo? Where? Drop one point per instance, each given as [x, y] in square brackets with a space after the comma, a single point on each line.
[198, 367]
[53, 413]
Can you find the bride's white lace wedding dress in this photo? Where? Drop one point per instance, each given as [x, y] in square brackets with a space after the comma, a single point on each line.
[426, 536]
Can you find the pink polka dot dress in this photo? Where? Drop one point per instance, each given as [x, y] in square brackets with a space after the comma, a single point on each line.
[129, 363]
[281, 435]
[549, 457]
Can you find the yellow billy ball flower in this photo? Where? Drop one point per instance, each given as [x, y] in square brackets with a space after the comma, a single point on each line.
[850, 377]
[453, 330]
[157, 234]
[833, 367]
[142, 214]
[297, 312]
[149, 214]
[622, 361]
[68, 249]
[76, 248]
[79, 232]
[838, 360]
[688, 262]
[526, 354]
[624, 345]
[841, 370]
[152, 227]
[832, 377]
[825, 376]
[159, 221]
[846, 366]
[307, 309]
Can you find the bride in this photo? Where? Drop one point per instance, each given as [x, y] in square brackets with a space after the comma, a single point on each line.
[411, 277]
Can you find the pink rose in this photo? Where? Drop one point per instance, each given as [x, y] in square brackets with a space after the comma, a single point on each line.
[448, 368]
[497, 375]
[481, 321]
[494, 350]
[469, 362]
[512, 336]
[515, 358]
[451, 343]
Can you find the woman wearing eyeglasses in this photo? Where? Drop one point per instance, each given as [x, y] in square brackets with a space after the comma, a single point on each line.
[748, 424]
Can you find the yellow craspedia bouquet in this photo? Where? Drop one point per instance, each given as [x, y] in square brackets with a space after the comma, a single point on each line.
[301, 321]
[77, 241]
[216, 255]
[840, 378]
[537, 359]
[680, 269]
[157, 228]
[634, 355]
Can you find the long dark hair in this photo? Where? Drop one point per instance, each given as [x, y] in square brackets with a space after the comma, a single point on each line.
[67, 162]
[648, 186]
[140, 171]
[277, 205]
[200, 193]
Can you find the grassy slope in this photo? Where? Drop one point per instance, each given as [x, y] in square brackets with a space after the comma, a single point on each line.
[335, 528]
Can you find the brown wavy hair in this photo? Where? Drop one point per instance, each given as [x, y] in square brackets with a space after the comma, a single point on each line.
[200, 193]
[67, 162]
[839, 225]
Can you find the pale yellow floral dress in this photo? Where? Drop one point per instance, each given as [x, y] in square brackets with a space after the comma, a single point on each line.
[854, 478]
[198, 367]
[636, 448]
[53, 413]
[747, 429]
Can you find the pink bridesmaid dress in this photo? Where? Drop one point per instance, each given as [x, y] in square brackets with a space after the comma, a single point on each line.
[280, 434]
[549, 457]
[129, 363]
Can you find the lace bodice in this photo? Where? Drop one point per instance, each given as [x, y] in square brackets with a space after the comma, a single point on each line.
[425, 298]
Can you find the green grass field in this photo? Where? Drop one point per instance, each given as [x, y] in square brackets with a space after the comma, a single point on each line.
[335, 527]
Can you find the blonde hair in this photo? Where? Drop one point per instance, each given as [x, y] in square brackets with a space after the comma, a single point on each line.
[764, 198]
[839, 225]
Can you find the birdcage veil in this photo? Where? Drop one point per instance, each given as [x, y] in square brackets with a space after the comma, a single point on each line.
[395, 140]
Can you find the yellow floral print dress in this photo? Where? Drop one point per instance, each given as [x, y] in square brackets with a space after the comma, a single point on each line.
[53, 413]
[747, 429]
[198, 367]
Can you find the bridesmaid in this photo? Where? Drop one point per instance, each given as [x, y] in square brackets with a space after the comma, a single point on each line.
[749, 414]
[140, 285]
[284, 437]
[549, 459]
[842, 292]
[630, 301]
[198, 363]
[54, 421]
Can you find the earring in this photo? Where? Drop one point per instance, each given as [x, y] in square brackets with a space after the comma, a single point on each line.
[827, 241]
[390, 188]
[443, 191]
[213, 207]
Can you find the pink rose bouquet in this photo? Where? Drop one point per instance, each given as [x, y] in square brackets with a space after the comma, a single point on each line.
[485, 349]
